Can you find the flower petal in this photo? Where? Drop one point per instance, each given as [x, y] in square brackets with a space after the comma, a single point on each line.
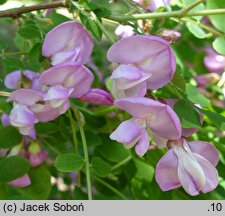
[21, 182]
[128, 133]
[26, 97]
[206, 150]
[211, 174]
[166, 172]
[134, 49]
[142, 146]
[190, 172]
[68, 36]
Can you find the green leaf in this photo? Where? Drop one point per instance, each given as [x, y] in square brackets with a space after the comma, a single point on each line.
[2, 2]
[69, 162]
[219, 45]
[11, 64]
[197, 31]
[3, 44]
[10, 137]
[29, 30]
[216, 119]
[196, 97]
[178, 80]
[94, 29]
[217, 20]
[112, 150]
[189, 117]
[100, 167]
[34, 53]
[13, 167]
[40, 187]
[79, 194]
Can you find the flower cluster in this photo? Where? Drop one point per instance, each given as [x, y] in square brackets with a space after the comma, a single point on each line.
[42, 97]
[146, 63]
[152, 5]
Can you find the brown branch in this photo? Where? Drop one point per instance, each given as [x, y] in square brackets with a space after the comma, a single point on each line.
[16, 12]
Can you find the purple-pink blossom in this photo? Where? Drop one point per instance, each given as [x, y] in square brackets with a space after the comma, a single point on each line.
[98, 96]
[22, 79]
[190, 165]
[124, 31]
[68, 42]
[214, 62]
[152, 5]
[148, 115]
[21, 182]
[139, 68]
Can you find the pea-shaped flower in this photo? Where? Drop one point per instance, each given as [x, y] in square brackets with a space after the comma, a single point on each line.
[150, 118]
[29, 79]
[152, 5]
[190, 165]
[68, 42]
[145, 62]
[24, 119]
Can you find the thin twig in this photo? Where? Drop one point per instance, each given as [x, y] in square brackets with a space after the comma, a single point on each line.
[16, 12]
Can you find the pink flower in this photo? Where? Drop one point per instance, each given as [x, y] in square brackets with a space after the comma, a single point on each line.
[76, 78]
[124, 31]
[145, 62]
[22, 118]
[5, 119]
[21, 182]
[214, 62]
[38, 158]
[152, 5]
[147, 115]
[30, 80]
[68, 42]
[98, 96]
[190, 165]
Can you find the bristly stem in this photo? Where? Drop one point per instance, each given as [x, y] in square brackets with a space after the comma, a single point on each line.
[85, 148]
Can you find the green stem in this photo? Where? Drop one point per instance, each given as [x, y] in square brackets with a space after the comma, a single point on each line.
[118, 193]
[75, 142]
[121, 163]
[73, 131]
[158, 15]
[12, 53]
[105, 32]
[190, 7]
[85, 148]
[212, 30]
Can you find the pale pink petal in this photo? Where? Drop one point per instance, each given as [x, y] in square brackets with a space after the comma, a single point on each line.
[128, 133]
[211, 174]
[206, 150]
[142, 146]
[21, 182]
[166, 172]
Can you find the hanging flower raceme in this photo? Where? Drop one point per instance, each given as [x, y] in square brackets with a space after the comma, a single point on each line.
[190, 165]
[68, 42]
[152, 5]
[150, 118]
[22, 79]
[145, 62]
